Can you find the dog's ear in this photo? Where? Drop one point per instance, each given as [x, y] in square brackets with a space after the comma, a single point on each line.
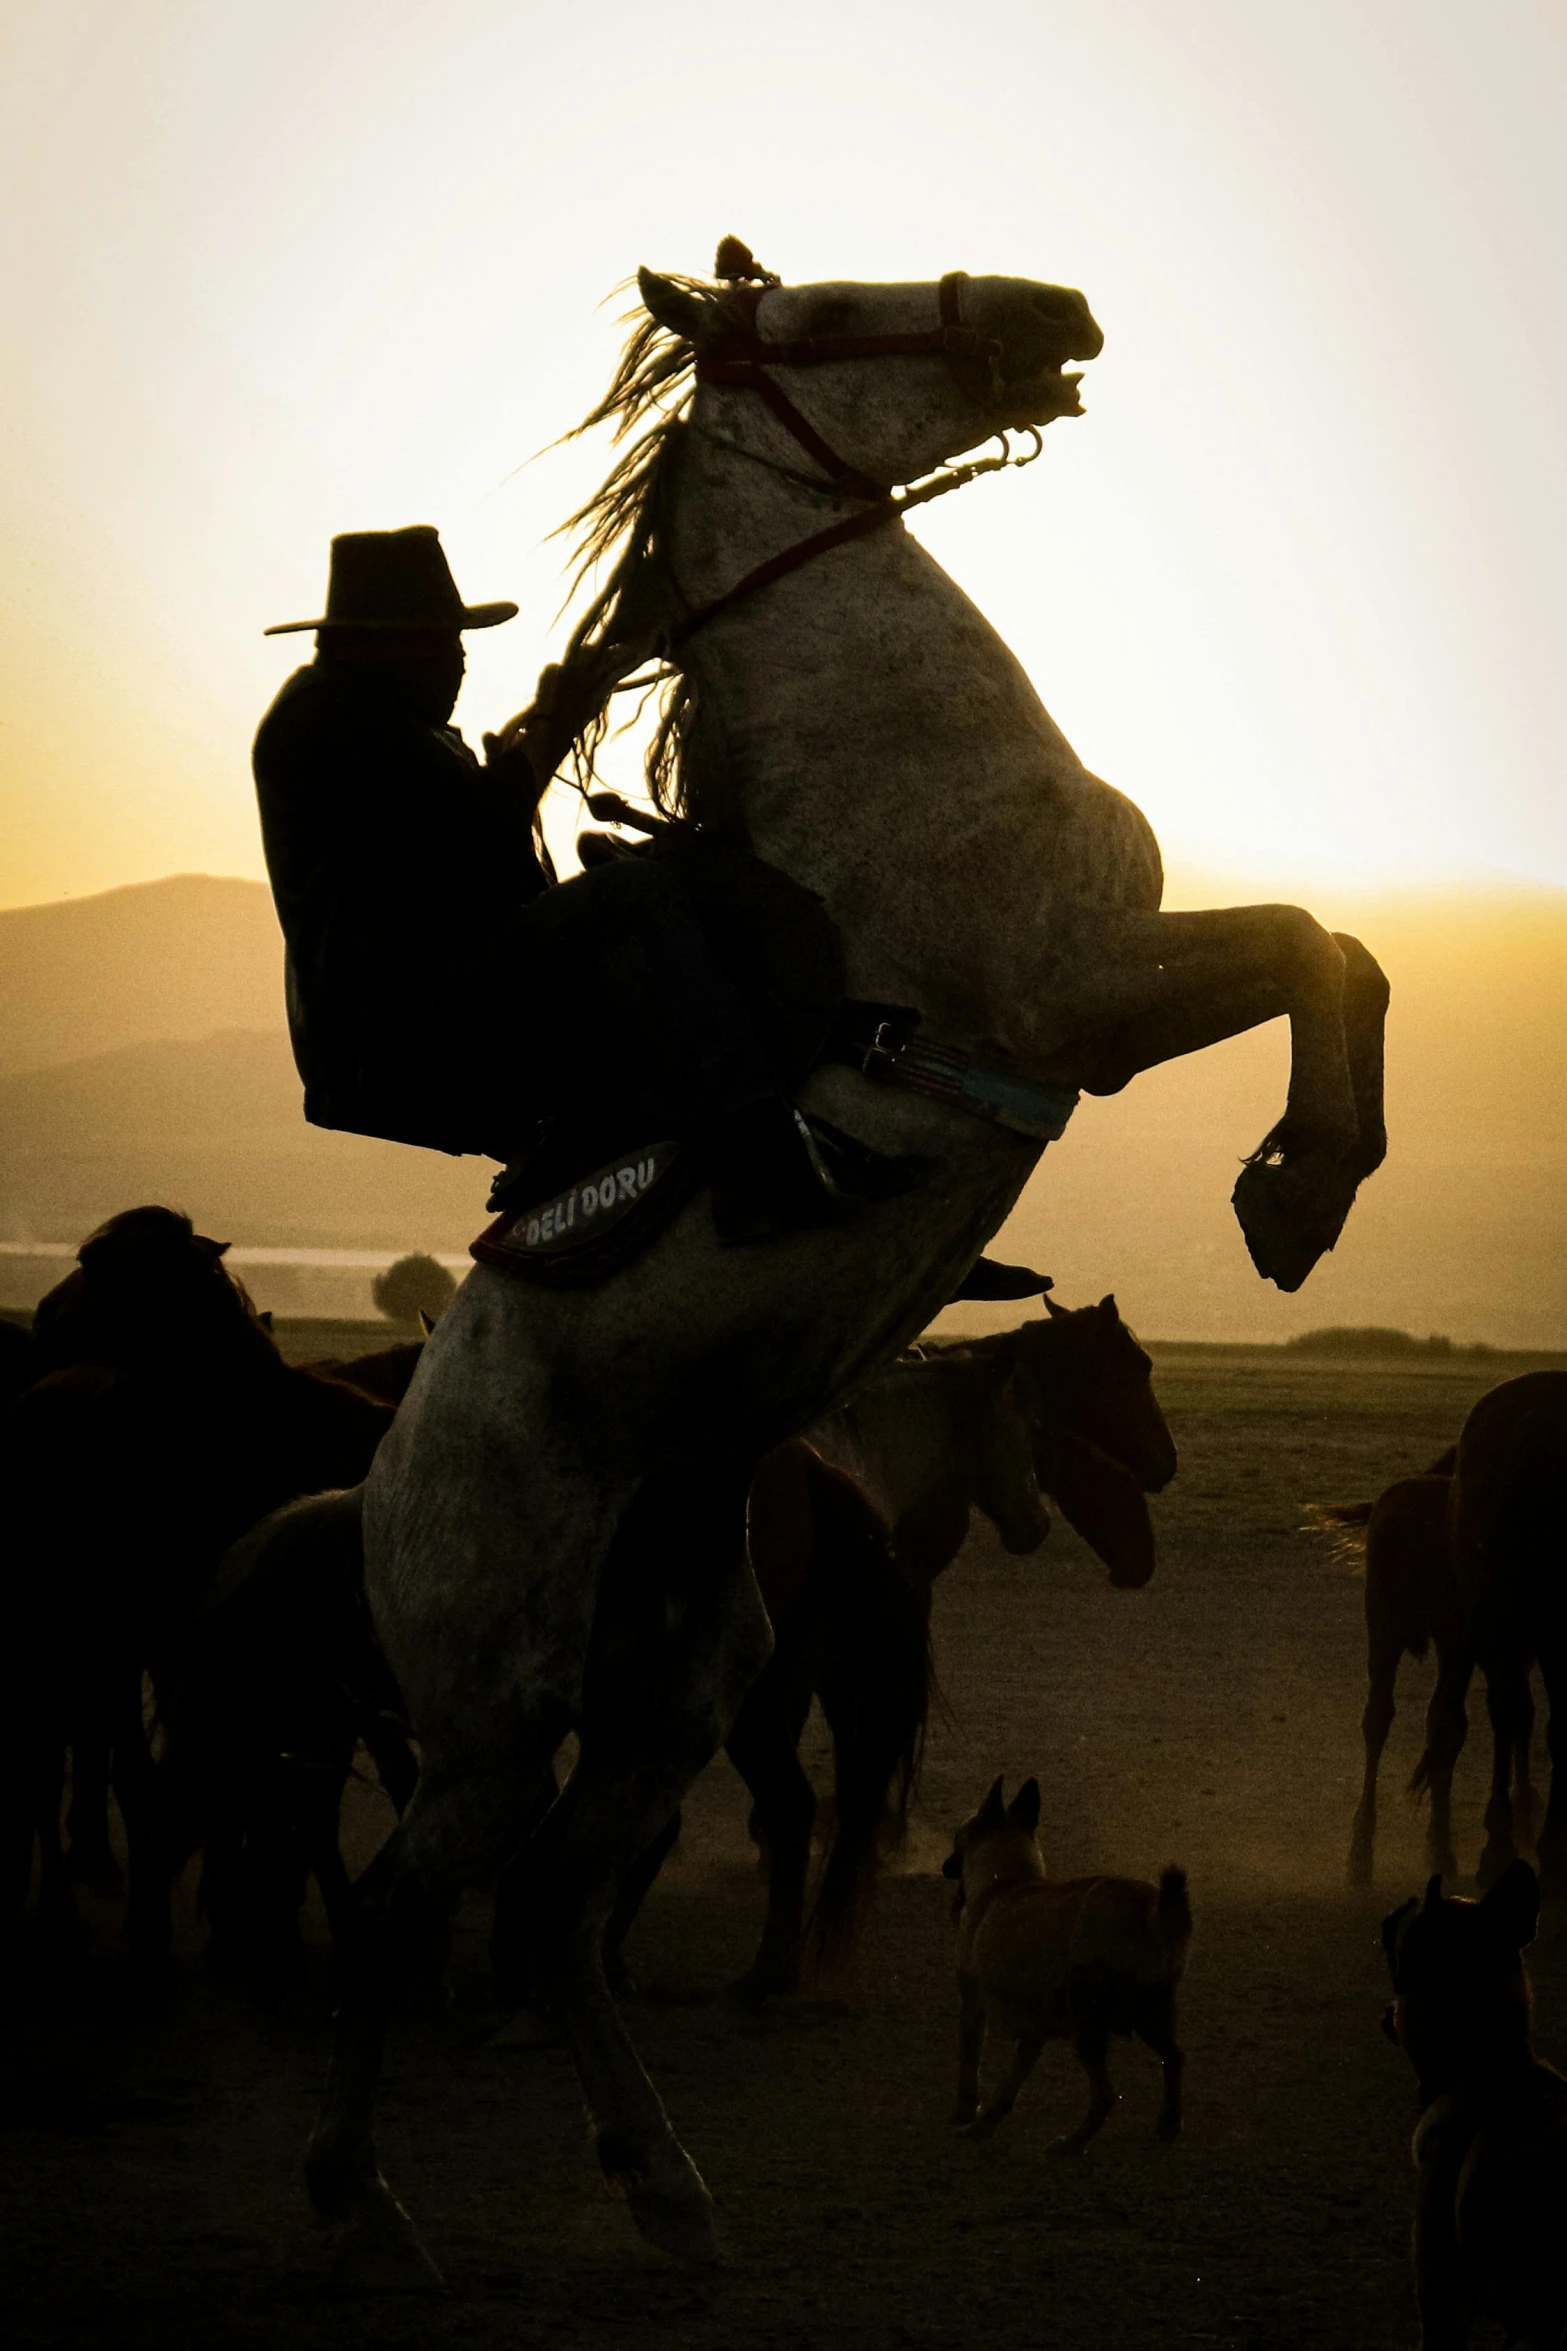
[952, 1867]
[1023, 1811]
[1392, 1931]
[1512, 1906]
[992, 1813]
[1433, 1896]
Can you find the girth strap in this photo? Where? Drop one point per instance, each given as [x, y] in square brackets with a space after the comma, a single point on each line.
[879, 1040]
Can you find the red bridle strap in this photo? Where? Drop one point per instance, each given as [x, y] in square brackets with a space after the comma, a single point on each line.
[951, 340]
[741, 362]
[777, 567]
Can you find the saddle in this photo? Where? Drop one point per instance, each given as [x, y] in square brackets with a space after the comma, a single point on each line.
[592, 1187]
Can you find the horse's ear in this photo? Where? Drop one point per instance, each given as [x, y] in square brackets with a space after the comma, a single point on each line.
[676, 307]
[1392, 1930]
[1055, 1309]
[1512, 1905]
[1023, 1811]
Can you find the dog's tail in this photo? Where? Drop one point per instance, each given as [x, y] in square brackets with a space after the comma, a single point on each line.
[1172, 1918]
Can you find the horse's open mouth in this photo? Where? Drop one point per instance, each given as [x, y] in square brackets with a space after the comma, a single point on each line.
[1049, 392]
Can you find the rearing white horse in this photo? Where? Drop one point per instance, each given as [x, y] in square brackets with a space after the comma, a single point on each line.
[860, 722]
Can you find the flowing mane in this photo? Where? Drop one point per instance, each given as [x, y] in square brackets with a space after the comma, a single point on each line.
[623, 525]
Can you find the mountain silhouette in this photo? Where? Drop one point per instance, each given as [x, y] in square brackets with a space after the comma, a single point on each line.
[142, 1057]
[170, 959]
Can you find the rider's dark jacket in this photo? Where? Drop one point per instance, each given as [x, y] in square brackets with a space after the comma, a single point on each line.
[400, 866]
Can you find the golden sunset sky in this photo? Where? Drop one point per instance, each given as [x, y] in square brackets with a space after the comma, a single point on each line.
[1296, 583]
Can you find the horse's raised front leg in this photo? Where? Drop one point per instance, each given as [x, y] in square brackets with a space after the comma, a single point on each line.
[681, 1636]
[1164, 985]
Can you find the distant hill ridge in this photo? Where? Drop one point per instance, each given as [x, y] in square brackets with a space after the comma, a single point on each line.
[142, 1056]
[173, 959]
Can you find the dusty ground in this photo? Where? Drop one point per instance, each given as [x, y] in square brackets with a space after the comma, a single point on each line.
[152, 2171]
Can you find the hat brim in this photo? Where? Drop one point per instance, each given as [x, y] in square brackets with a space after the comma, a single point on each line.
[473, 616]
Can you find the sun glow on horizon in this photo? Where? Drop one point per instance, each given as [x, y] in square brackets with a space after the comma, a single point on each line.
[1288, 583]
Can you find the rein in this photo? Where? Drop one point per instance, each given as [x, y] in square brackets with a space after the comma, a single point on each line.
[740, 362]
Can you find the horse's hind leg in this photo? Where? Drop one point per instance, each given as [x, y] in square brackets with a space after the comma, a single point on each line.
[1386, 1649]
[1447, 1727]
[461, 1820]
[1506, 1692]
[89, 1857]
[767, 1758]
[679, 1641]
[487, 1639]
[1525, 1801]
[1552, 1847]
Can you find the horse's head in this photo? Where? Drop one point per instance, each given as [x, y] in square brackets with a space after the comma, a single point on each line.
[997, 1449]
[1083, 1371]
[149, 1289]
[894, 379]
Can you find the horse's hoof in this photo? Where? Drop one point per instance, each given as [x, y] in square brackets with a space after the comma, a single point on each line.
[380, 2251]
[669, 2203]
[1290, 1215]
[758, 1985]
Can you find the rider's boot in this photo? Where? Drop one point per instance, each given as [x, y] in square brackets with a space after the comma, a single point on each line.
[774, 1170]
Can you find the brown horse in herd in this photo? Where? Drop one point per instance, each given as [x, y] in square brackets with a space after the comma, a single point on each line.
[1469, 1559]
[161, 1424]
[849, 1608]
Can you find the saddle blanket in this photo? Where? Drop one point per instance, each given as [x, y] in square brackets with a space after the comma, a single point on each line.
[596, 1224]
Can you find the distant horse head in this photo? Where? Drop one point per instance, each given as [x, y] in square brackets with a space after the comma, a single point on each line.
[1082, 1371]
[149, 1290]
[996, 1447]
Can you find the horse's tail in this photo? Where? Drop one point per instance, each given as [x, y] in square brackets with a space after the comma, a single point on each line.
[1346, 1522]
[874, 1683]
[1172, 1918]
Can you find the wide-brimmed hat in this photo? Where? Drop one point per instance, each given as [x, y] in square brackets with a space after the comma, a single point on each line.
[394, 580]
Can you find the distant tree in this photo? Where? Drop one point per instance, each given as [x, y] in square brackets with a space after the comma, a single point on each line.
[412, 1286]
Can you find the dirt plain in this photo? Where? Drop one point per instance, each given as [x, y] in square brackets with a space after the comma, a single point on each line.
[152, 2189]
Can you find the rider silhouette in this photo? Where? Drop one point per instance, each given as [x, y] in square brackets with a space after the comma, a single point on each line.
[443, 989]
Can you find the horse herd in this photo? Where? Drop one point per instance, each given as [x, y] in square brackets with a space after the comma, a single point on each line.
[196, 1499]
[185, 1590]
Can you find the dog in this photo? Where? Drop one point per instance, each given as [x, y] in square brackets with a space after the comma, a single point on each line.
[1490, 2147]
[1072, 1962]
